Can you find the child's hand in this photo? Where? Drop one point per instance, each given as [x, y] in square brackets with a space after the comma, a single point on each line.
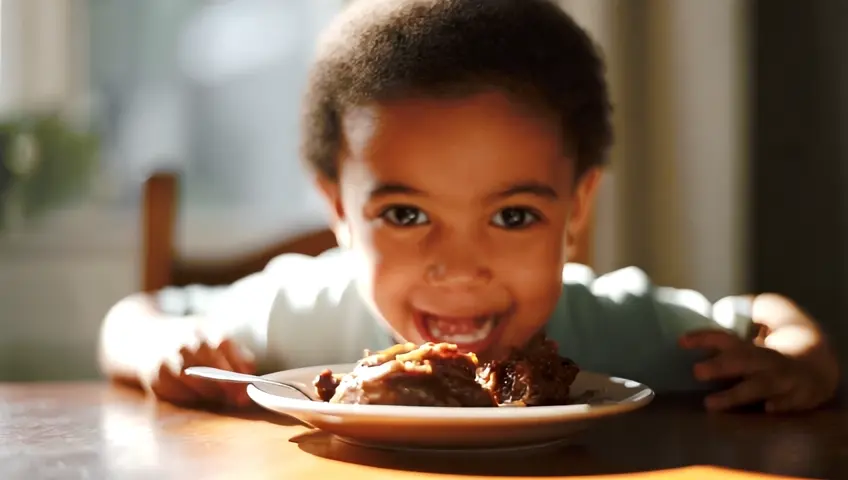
[783, 383]
[179, 388]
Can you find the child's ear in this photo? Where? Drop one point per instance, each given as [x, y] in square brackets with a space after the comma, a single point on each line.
[331, 191]
[582, 205]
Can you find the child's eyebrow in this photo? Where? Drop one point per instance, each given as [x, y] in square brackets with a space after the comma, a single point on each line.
[532, 188]
[386, 189]
[524, 188]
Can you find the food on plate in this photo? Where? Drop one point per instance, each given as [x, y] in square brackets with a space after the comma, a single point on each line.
[326, 384]
[431, 375]
[440, 375]
[533, 376]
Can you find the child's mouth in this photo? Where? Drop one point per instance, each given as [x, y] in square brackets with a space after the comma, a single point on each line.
[470, 334]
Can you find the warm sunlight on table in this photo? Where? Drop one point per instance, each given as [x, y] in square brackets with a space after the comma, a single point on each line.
[97, 430]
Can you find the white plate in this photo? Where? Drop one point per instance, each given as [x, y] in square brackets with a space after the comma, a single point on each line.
[452, 428]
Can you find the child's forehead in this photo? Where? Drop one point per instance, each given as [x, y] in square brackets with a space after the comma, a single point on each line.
[488, 117]
[487, 140]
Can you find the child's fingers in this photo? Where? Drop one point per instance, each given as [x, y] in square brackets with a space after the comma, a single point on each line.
[743, 393]
[795, 399]
[233, 393]
[242, 399]
[232, 352]
[236, 394]
[229, 393]
[201, 357]
[213, 357]
[710, 340]
[221, 393]
[753, 389]
[805, 393]
[168, 387]
[736, 363]
[724, 366]
[785, 403]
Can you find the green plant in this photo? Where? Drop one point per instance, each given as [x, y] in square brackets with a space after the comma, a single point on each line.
[46, 163]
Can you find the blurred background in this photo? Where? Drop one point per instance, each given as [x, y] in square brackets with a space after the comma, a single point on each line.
[729, 173]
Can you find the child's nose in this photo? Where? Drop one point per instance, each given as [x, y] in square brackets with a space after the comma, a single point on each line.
[458, 261]
[457, 275]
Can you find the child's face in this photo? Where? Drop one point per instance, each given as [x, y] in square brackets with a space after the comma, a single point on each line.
[459, 211]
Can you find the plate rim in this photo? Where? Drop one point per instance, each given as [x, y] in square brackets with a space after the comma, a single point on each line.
[468, 414]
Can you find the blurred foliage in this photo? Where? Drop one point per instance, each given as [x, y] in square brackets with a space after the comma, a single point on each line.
[44, 163]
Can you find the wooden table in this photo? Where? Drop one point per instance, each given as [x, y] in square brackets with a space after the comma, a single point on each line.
[96, 430]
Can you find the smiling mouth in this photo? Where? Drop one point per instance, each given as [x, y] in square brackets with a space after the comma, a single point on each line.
[471, 334]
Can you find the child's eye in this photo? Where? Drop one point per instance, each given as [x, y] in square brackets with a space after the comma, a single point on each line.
[404, 216]
[514, 218]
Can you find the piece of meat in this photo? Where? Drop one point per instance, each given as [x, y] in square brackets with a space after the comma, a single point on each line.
[533, 376]
[433, 375]
[439, 375]
[325, 385]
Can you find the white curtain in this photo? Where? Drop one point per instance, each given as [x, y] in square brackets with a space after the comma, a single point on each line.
[43, 55]
[674, 201]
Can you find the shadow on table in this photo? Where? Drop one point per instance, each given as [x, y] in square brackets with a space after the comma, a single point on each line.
[252, 413]
[258, 414]
[262, 416]
[565, 460]
[668, 434]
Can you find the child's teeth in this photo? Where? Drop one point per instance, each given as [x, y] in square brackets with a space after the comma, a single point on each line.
[485, 328]
[481, 321]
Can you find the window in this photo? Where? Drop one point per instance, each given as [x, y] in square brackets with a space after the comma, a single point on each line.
[209, 88]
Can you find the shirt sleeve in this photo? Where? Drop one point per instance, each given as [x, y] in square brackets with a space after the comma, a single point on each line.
[222, 312]
[624, 325]
[299, 311]
[188, 301]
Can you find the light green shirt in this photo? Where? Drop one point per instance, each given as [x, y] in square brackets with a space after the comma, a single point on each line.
[303, 311]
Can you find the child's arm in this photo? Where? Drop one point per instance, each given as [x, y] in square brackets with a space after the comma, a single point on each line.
[676, 340]
[299, 311]
[142, 345]
[790, 365]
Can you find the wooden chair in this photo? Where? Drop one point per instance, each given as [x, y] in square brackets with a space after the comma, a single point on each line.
[162, 265]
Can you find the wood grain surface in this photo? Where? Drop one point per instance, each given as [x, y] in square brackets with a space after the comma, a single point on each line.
[98, 430]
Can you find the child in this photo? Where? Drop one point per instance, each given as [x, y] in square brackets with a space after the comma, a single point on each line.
[460, 145]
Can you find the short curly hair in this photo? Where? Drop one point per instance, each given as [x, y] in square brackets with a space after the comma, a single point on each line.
[379, 50]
